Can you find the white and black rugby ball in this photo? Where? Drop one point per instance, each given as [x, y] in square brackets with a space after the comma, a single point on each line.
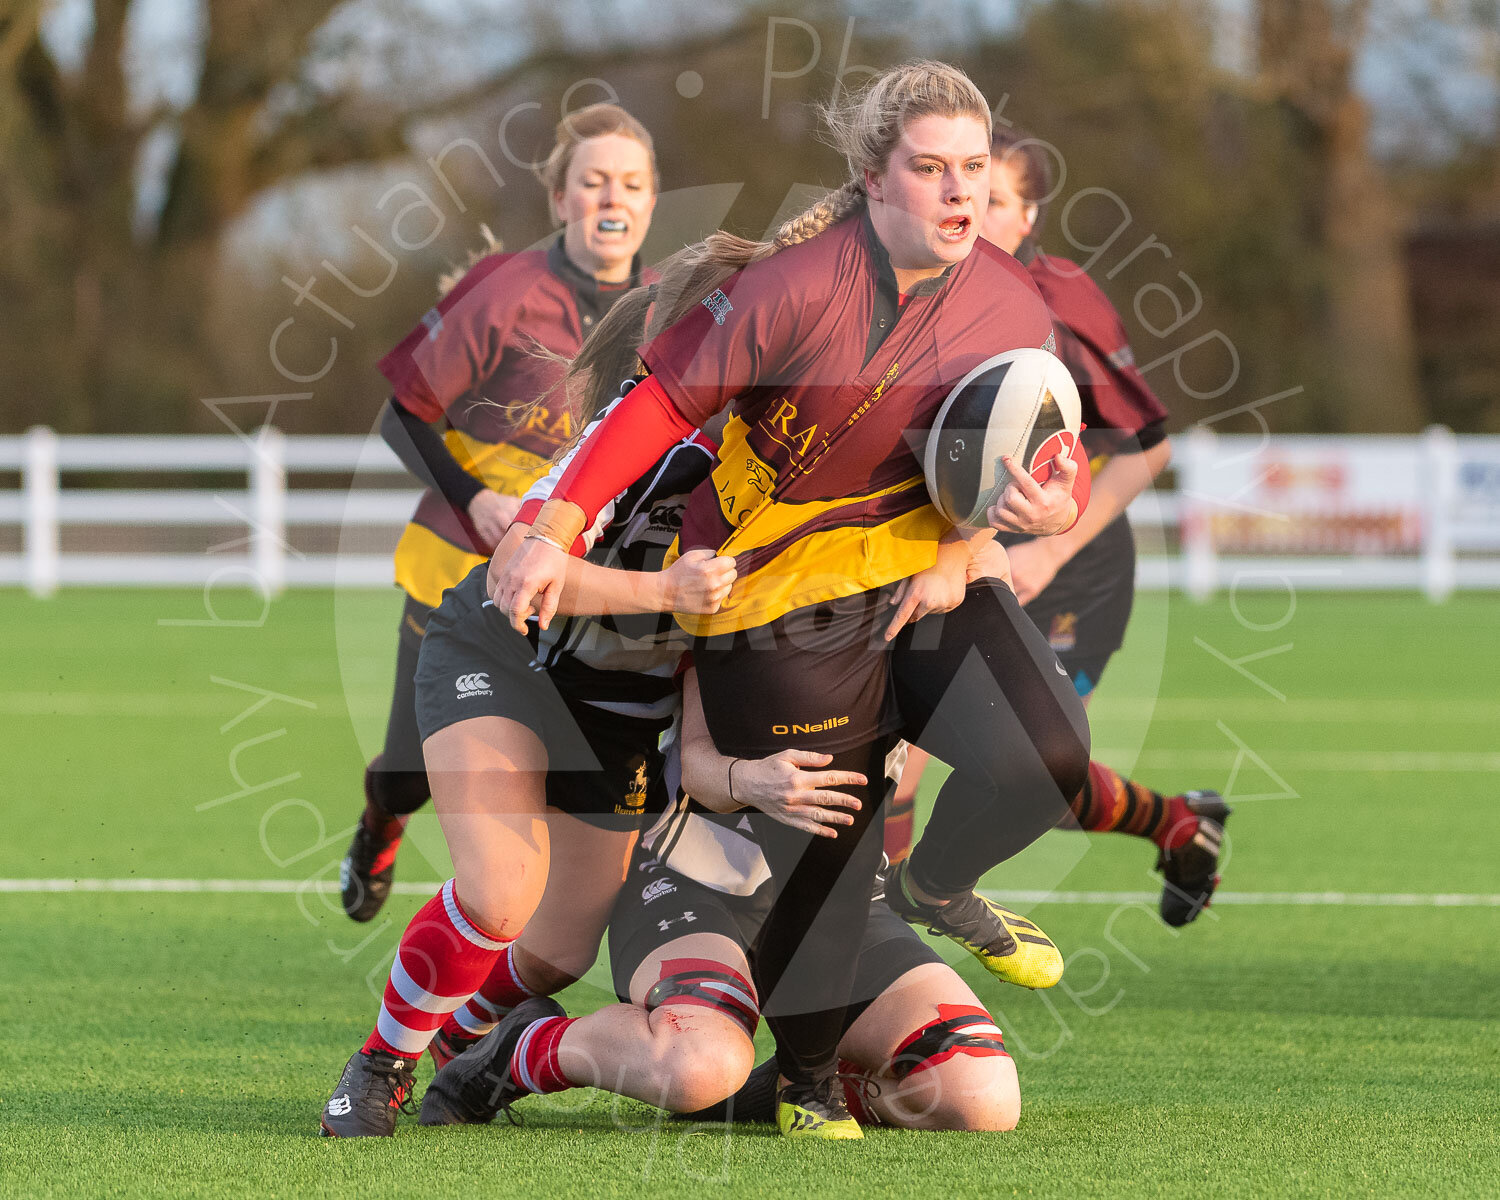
[1022, 403]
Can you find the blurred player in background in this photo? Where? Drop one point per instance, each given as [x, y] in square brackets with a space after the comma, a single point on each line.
[1078, 587]
[472, 362]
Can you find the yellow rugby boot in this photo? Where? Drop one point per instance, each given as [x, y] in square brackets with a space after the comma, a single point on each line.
[815, 1112]
[1010, 947]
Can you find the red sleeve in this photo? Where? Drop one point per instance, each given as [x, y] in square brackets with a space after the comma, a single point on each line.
[458, 344]
[736, 338]
[638, 430]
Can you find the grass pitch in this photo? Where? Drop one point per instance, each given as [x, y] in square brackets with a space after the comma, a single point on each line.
[171, 1043]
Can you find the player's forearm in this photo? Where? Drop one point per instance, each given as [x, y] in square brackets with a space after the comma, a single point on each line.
[1122, 479]
[705, 772]
[594, 591]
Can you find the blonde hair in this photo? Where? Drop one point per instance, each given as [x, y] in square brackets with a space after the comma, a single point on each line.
[597, 120]
[450, 279]
[864, 127]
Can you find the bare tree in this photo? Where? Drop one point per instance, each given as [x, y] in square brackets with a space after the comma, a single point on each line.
[1306, 52]
[127, 306]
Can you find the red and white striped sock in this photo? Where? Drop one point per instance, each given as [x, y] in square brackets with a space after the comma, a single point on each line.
[535, 1064]
[497, 995]
[442, 959]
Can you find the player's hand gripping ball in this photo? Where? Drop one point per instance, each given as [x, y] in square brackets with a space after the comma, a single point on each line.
[1021, 405]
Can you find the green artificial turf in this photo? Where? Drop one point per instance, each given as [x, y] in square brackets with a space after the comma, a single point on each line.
[181, 1044]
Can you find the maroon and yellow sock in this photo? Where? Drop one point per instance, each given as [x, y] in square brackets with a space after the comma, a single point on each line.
[1110, 803]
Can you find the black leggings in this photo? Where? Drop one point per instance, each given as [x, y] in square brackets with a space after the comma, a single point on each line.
[804, 970]
[979, 689]
[396, 781]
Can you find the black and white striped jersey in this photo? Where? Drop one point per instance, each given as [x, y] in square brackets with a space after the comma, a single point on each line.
[717, 850]
[625, 664]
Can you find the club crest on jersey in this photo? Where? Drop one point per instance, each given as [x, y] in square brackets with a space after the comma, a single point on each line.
[635, 792]
[1063, 634]
[719, 305]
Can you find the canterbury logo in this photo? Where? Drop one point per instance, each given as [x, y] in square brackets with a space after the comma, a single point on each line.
[477, 684]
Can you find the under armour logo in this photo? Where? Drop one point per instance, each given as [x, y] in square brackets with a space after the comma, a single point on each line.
[477, 684]
[667, 924]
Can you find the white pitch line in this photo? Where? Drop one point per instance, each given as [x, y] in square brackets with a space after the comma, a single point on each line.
[145, 704]
[1299, 709]
[1189, 709]
[289, 886]
[1293, 899]
[1353, 762]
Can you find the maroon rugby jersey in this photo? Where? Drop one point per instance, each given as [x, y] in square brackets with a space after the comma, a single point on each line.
[472, 360]
[819, 491]
[1092, 344]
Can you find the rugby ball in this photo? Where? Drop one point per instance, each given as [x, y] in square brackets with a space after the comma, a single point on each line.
[1022, 403]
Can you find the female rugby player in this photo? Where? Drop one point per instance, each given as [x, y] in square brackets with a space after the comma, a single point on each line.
[1078, 587]
[472, 362]
[541, 750]
[918, 1048]
[835, 344]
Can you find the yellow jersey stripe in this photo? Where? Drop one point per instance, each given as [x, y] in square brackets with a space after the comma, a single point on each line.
[503, 467]
[826, 566]
[743, 481]
[427, 565]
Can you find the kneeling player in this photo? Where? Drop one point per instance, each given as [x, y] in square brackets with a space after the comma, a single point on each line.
[919, 1050]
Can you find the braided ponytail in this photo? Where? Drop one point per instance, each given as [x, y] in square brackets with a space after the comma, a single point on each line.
[865, 128]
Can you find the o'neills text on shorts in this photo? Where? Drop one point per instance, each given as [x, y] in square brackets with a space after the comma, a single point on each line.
[820, 727]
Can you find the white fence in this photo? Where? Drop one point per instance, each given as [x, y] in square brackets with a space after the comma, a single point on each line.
[1249, 513]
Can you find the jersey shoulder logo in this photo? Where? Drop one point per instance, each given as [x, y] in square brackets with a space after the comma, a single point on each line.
[718, 304]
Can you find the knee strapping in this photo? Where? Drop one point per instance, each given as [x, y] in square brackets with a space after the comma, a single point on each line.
[707, 984]
[959, 1029]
